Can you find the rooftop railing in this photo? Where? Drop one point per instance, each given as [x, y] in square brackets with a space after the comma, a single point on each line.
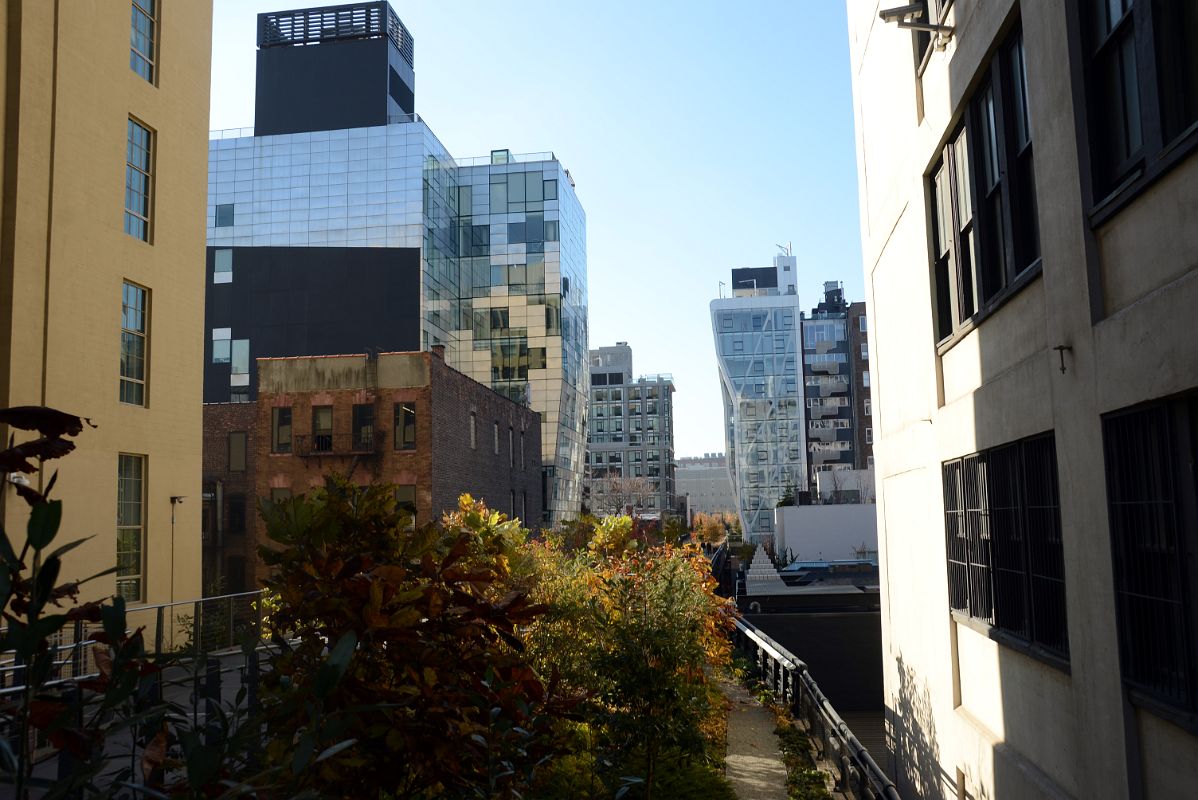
[856, 773]
[308, 26]
[239, 133]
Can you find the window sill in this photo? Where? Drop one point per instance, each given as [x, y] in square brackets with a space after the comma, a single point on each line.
[1034, 270]
[1186, 720]
[1010, 640]
[1143, 177]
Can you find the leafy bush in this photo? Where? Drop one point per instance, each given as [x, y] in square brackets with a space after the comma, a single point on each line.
[434, 695]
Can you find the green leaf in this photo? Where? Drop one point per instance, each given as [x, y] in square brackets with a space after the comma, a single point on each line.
[343, 650]
[303, 752]
[44, 520]
[47, 578]
[329, 752]
[100, 574]
[6, 552]
[113, 618]
[66, 548]
[334, 667]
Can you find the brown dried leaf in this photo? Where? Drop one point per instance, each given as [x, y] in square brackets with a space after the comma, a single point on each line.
[154, 755]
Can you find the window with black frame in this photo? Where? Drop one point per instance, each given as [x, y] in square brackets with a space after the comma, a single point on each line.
[1003, 542]
[1153, 510]
[363, 426]
[985, 233]
[1142, 86]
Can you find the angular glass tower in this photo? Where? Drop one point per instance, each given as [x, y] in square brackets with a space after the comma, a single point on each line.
[757, 341]
[346, 227]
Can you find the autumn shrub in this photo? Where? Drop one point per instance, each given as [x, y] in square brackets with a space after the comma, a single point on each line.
[435, 697]
[637, 629]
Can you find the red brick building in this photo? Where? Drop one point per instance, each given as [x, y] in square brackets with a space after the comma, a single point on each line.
[402, 418]
[229, 509]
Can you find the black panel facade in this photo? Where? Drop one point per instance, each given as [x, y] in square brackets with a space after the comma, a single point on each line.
[755, 278]
[330, 86]
[310, 301]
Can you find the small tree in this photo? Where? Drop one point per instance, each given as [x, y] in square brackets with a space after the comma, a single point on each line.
[616, 494]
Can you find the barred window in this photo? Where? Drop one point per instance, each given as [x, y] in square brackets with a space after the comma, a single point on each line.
[1003, 536]
[984, 220]
[1152, 495]
[139, 158]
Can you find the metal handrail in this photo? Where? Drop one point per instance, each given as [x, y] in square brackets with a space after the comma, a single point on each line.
[783, 671]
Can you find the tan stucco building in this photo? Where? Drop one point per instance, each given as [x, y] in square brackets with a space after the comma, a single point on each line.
[104, 175]
[1029, 215]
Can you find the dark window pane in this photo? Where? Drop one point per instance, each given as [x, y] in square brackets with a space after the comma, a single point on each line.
[224, 215]
[237, 446]
[280, 430]
[1175, 24]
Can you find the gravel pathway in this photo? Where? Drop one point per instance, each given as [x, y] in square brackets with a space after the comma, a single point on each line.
[754, 764]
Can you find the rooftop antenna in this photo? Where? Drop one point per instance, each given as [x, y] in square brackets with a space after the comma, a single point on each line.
[784, 248]
[722, 290]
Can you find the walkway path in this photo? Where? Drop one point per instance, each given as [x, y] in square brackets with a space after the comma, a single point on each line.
[754, 764]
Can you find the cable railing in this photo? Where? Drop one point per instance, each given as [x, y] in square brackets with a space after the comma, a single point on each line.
[186, 627]
[857, 774]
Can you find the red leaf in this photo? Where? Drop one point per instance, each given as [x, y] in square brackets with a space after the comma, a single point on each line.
[154, 755]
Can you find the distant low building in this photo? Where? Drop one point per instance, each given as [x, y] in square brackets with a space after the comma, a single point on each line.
[704, 482]
[826, 532]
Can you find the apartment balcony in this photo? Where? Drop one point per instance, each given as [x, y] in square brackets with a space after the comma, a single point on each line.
[820, 456]
[823, 412]
[823, 434]
[365, 442]
[826, 346]
[833, 389]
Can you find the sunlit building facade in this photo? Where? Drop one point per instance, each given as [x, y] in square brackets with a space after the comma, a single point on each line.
[102, 132]
[523, 303]
[757, 341]
[630, 436]
[1028, 192]
[346, 227]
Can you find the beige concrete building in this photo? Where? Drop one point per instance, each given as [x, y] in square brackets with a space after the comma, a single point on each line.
[104, 169]
[1029, 217]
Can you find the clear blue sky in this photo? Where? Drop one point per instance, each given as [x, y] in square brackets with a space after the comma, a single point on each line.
[700, 134]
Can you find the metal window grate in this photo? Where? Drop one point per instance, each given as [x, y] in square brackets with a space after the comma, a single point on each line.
[1148, 554]
[333, 23]
[1003, 535]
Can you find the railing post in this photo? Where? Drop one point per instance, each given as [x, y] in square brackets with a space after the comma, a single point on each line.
[197, 626]
[212, 732]
[67, 762]
[77, 651]
[159, 616]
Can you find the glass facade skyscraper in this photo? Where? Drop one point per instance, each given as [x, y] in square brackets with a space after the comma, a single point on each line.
[349, 228]
[757, 341]
[523, 302]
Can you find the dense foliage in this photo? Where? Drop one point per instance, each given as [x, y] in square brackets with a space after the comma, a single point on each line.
[461, 659]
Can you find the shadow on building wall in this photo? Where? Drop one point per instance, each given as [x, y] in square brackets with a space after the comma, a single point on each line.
[913, 738]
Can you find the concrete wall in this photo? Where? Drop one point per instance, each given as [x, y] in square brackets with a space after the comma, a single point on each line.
[64, 256]
[972, 717]
[825, 532]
